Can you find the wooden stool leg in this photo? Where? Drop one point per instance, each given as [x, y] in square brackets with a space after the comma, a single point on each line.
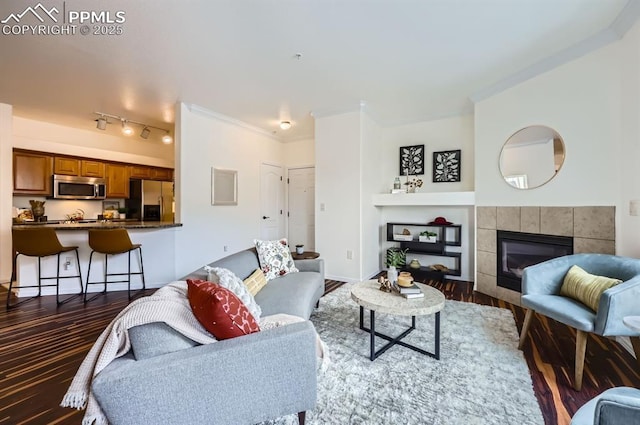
[301, 417]
[129, 274]
[144, 286]
[13, 277]
[581, 347]
[525, 327]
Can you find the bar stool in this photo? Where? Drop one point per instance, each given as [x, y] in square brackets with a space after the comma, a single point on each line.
[112, 242]
[40, 242]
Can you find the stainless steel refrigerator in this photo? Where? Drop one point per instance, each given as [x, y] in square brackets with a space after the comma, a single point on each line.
[151, 200]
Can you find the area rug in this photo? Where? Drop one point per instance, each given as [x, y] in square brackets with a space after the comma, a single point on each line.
[481, 377]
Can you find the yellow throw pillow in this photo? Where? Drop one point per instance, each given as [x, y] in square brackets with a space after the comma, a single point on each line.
[255, 282]
[586, 287]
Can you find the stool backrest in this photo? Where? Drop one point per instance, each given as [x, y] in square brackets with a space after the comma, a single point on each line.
[110, 241]
[36, 242]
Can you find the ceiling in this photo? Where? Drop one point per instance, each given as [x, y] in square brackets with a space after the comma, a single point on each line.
[406, 60]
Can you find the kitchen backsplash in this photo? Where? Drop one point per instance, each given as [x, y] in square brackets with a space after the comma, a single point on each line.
[56, 209]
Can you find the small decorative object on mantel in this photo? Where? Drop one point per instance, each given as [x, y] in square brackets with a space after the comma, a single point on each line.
[412, 160]
[414, 264]
[299, 249]
[439, 221]
[404, 236]
[413, 185]
[446, 166]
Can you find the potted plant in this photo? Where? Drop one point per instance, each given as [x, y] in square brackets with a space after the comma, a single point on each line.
[122, 212]
[428, 236]
[396, 257]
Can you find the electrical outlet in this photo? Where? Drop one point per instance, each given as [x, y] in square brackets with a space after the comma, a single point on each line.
[633, 207]
[225, 248]
[349, 254]
[322, 206]
[67, 263]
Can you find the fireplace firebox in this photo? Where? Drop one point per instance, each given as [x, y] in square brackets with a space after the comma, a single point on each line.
[518, 250]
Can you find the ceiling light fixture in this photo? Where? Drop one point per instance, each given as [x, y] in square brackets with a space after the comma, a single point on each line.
[145, 133]
[127, 130]
[102, 123]
[285, 125]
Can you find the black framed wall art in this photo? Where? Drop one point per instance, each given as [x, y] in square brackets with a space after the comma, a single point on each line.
[446, 166]
[411, 160]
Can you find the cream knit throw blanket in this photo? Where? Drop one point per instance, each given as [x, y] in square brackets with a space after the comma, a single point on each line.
[168, 304]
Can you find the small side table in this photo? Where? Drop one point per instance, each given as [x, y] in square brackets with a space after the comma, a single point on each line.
[632, 322]
[306, 255]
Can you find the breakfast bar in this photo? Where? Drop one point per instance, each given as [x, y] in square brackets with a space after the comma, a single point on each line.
[158, 247]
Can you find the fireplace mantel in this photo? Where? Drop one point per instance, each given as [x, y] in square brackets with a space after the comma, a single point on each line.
[425, 199]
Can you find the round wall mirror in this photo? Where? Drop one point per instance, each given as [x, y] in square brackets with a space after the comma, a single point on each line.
[531, 157]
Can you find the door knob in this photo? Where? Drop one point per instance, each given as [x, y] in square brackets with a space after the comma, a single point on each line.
[264, 217]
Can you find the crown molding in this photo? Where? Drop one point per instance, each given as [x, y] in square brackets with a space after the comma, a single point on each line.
[627, 17]
[220, 117]
[339, 110]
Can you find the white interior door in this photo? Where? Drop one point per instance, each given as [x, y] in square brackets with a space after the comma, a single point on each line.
[271, 201]
[302, 219]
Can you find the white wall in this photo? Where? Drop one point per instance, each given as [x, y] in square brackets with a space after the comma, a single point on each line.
[438, 135]
[204, 140]
[338, 181]
[299, 153]
[6, 191]
[629, 242]
[581, 101]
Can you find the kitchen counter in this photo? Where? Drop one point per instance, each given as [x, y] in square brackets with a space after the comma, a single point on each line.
[94, 224]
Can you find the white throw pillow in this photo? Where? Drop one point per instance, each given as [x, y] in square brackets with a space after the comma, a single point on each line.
[275, 258]
[228, 279]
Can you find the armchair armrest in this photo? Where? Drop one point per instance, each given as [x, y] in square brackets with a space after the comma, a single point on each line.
[242, 380]
[311, 265]
[616, 303]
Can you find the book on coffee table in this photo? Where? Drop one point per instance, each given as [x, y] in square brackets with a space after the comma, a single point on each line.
[413, 289]
[415, 295]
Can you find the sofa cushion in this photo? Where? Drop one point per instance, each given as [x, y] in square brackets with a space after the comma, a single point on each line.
[255, 282]
[155, 339]
[275, 258]
[219, 310]
[586, 287]
[226, 278]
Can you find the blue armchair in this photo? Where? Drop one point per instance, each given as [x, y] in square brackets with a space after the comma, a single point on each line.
[615, 406]
[541, 293]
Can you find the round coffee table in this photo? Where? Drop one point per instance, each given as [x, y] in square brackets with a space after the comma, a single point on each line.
[368, 295]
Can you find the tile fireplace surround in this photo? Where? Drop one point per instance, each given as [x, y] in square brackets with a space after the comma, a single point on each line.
[592, 229]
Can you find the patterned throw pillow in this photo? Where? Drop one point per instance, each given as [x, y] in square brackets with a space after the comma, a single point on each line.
[255, 282]
[275, 258]
[226, 278]
[586, 287]
[219, 311]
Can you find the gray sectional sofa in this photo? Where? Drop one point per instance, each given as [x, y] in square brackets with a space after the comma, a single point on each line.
[167, 378]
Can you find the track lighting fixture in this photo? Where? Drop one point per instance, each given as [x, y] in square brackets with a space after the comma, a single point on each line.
[127, 130]
[285, 125]
[101, 123]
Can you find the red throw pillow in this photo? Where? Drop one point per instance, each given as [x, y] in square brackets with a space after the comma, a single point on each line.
[219, 310]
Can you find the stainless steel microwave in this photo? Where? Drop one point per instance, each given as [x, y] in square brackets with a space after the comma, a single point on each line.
[72, 187]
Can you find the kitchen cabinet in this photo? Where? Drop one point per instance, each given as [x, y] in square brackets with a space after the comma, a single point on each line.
[139, 172]
[117, 177]
[70, 166]
[91, 168]
[66, 166]
[164, 174]
[32, 173]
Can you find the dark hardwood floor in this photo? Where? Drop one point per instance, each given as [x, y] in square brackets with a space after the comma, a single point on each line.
[42, 345]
